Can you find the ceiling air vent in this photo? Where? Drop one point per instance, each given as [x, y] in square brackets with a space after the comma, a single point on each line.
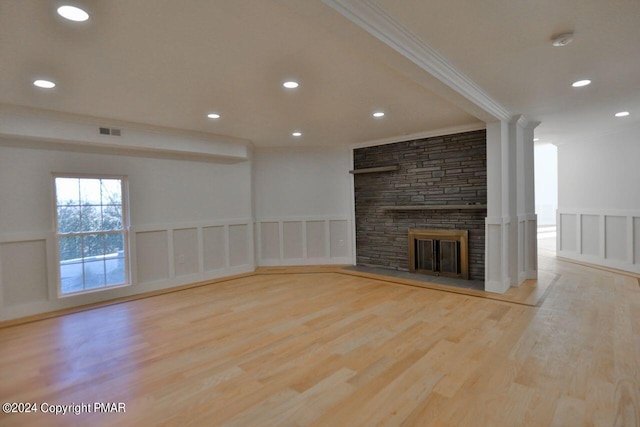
[110, 131]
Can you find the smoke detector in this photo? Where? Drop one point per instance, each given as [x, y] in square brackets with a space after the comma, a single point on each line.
[562, 39]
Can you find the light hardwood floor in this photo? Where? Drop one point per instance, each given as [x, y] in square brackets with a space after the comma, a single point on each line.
[339, 350]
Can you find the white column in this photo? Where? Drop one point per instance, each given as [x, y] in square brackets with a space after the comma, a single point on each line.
[511, 223]
[513, 182]
[525, 227]
[528, 211]
[497, 223]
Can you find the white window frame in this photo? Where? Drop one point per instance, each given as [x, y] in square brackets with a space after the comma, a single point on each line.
[124, 182]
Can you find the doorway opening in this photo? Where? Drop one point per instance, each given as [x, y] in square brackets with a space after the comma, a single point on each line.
[546, 193]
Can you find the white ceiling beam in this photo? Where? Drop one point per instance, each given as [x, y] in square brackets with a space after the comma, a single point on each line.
[379, 23]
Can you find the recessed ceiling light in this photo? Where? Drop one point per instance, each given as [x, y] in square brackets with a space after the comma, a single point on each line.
[44, 84]
[213, 115]
[73, 13]
[296, 134]
[290, 84]
[536, 139]
[378, 114]
[622, 114]
[581, 83]
[562, 39]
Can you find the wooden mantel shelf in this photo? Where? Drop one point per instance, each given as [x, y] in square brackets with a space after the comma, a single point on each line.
[373, 170]
[433, 207]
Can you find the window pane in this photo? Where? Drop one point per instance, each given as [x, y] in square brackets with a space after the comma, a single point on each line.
[68, 219]
[90, 191]
[67, 191]
[94, 274]
[115, 270]
[70, 248]
[114, 244]
[112, 217]
[111, 192]
[91, 218]
[70, 277]
[92, 207]
[93, 246]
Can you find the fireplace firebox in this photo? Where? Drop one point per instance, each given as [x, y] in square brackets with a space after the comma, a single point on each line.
[439, 252]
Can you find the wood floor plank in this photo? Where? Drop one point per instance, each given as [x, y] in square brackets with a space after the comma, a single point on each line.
[293, 348]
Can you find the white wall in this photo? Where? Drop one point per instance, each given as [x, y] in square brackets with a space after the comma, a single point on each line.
[190, 221]
[303, 206]
[599, 200]
[600, 174]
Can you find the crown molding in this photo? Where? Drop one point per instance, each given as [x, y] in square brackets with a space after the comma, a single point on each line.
[374, 19]
[523, 122]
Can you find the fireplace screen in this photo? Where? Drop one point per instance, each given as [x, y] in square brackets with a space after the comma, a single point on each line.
[439, 252]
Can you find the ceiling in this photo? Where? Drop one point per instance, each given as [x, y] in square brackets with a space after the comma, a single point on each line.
[170, 63]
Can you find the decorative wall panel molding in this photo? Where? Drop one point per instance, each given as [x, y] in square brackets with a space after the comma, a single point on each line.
[304, 241]
[193, 251]
[162, 256]
[610, 238]
[497, 246]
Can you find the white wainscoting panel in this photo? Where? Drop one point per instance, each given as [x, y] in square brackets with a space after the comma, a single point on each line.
[162, 256]
[338, 235]
[607, 238]
[496, 254]
[24, 272]
[527, 247]
[521, 249]
[304, 241]
[214, 252]
[240, 245]
[292, 240]
[636, 240]
[185, 251]
[615, 231]
[568, 232]
[270, 240]
[590, 232]
[192, 252]
[316, 241]
[152, 255]
[531, 252]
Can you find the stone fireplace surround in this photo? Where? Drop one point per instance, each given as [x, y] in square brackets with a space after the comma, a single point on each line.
[430, 183]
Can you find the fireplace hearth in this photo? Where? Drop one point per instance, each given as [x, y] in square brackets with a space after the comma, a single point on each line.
[439, 252]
